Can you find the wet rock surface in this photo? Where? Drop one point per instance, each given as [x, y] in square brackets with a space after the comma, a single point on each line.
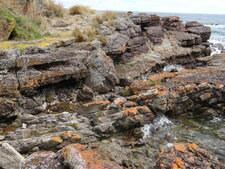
[54, 99]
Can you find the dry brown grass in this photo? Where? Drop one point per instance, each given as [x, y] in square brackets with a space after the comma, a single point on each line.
[88, 35]
[84, 35]
[106, 17]
[80, 10]
[51, 9]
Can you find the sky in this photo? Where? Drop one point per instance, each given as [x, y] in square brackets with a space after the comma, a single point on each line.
[174, 6]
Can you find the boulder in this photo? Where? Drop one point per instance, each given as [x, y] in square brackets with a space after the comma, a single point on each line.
[187, 39]
[7, 24]
[203, 31]
[86, 93]
[8, 59]
[155, 34]
[89, 109]
[44, 159]
[173, 23]
[141, 19]
[101, 76]
[187, 156]
[73, 156]
[116, 44]
[192, 24]
[9, 157]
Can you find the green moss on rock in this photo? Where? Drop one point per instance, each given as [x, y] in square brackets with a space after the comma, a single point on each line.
[18, 27]
[7, 24]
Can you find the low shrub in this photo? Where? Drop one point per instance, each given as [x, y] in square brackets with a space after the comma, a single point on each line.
[30, 30]
[51, 9]
[80, 10]
[105, 16]
[84, 35]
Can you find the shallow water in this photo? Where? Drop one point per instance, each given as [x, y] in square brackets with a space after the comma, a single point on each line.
[209, 135]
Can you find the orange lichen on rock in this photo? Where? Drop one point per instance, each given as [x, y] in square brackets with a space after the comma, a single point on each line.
[100, 102]
[162, 76]
[219, 85]
[75, 138]
[174, 166]
[173, 94]
[56, 140]
[190, 87]
[92, 159]
[179, 147]
[130, 104]
[66, 135]
[143, 109]
[140, 86]
[179, 162]
[130, 111]
[205, 96]
[192, 146]
[134, 97]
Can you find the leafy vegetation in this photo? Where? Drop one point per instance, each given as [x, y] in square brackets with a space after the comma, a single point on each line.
[25, 29]
[154, 83]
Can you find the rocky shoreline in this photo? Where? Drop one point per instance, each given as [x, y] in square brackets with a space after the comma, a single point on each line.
[55, 98]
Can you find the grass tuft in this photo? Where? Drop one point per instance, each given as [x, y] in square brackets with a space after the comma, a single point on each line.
[80, 10]
[154, 83]
[51, 9]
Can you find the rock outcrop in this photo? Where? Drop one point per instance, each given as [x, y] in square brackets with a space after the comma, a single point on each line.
[186, 156]
[23, 76]
[73, 156]
[7, 24]
[9, 157]
[53, 99]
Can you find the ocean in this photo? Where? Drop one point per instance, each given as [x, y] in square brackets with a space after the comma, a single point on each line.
[214, 21]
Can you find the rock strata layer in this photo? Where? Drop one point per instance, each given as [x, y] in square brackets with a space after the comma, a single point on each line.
[54, 99]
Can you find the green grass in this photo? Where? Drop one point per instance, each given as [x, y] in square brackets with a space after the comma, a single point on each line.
[6, 15]
[155, 83]
[22, 49]
[74, 125]
[126, 93]
[25, 28]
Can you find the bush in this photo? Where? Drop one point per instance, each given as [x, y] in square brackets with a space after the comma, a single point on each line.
[30, 30]
[80, 10]
[106, 16]
[51, 9]
[84, 35]
[87, 35]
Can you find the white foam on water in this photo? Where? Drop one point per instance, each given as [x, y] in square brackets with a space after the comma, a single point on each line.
[214, 26]
[158, 123]
[216, 119]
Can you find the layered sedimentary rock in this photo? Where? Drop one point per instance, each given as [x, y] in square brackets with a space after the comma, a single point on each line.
[23, 76]
[72, 156]
[188, 156]
[56, 97]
